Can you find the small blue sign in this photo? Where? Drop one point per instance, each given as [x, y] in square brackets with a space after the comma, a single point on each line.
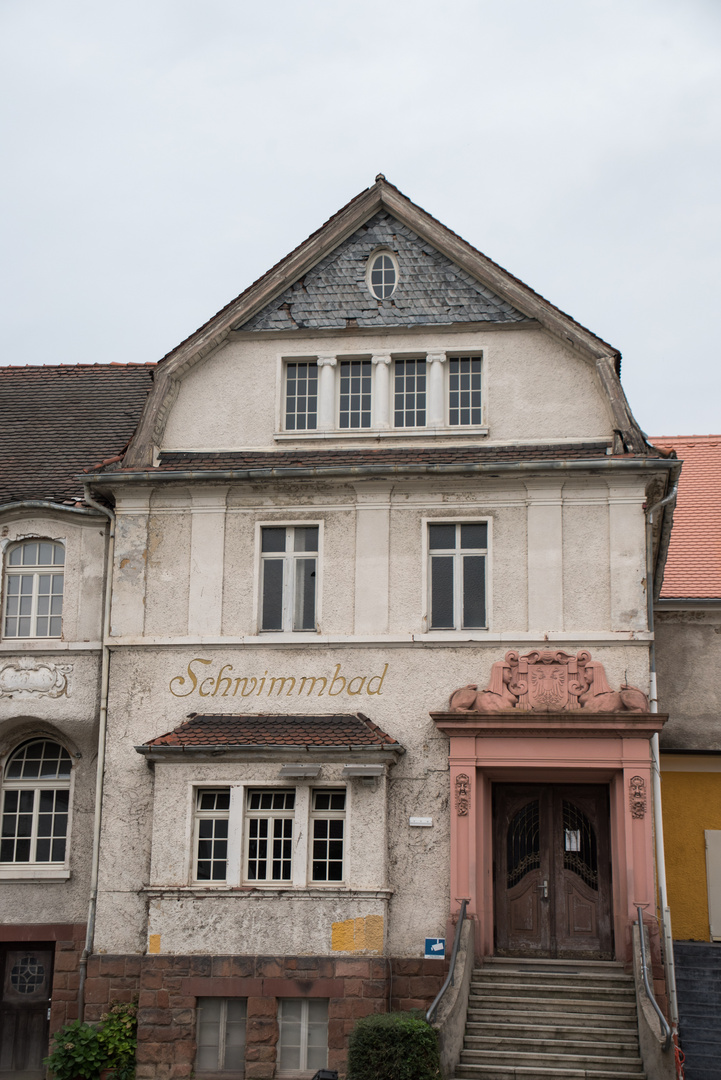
[435, 948]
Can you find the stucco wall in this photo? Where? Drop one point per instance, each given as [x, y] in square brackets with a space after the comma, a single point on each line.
[417, 859]
[60, 702]
[537, 389]
[688, 648]
[565, 556]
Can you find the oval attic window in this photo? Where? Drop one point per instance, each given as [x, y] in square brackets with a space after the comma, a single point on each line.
[383, 276]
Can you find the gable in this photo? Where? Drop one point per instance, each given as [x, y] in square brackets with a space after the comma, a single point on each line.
[431, 288]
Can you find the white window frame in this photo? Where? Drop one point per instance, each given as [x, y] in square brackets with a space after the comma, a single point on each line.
[33, 869]
[36, 571]
[202, 1071]
[288, 580]
[326, 815]
[237, 862]
[304, 1069]
[269, 814]
[369, 273]
[340, 360]
[200, 815]
[382, 424]
[458, 631]
[465, 354]
[282, 413]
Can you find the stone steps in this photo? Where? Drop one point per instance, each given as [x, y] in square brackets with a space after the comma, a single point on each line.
[537, 1020]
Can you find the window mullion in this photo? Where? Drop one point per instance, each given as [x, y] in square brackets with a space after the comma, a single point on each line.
[289, 581]
[304, 1034]
[35, 826]
[221, 1032]
[34, 605]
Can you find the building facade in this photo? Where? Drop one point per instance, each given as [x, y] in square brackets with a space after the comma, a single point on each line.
[372, 549]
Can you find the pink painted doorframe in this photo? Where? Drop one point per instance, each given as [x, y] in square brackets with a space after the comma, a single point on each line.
[561, 748]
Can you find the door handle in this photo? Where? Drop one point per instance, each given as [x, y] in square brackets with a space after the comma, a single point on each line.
[544, 888]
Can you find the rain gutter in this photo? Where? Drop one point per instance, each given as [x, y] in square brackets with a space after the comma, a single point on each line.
[102, 736]
[607, 464]
[666, 933]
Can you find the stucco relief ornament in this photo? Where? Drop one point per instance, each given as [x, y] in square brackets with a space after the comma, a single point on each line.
[637, 796]
[463, 794]
[27, 677]
[548, 680]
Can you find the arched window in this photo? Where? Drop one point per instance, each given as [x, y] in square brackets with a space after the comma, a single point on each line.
[34, 589]
[36, 800]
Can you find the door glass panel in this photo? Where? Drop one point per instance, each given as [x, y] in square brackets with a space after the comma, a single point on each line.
[580, 848]
[524, 845]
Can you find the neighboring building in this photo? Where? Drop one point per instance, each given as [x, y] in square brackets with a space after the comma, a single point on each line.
[386, 471]
[688, 645]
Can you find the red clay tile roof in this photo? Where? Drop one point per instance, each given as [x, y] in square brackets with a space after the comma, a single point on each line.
[693, 568]
[55, 421]
[359, 457]
[340, 730]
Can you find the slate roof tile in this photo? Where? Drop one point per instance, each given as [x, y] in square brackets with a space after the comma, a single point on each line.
[57, 420]
[693, 566]
[263, 729]
[335, 289]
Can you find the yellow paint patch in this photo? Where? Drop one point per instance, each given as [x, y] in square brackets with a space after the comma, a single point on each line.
[691, 804]
[364, 934]
[154, 943]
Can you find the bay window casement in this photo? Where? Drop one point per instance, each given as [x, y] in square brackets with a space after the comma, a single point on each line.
[383, 393]
[36, 788]
[251, 833]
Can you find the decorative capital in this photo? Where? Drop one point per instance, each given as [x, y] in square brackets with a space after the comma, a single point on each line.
[436, 357]
[381, 358]
[326, 361]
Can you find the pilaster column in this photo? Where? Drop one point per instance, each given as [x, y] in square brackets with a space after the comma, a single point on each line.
[326, 392]
[131, 562]
[545, 555]
[372, 545]
[436, 390]
[381, 390]
[207, 544]
[627, 533]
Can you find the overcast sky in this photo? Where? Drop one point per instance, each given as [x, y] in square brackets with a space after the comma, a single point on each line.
[159, 155]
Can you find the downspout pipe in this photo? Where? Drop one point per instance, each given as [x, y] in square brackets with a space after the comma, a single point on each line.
[666, 934]
[102, 736]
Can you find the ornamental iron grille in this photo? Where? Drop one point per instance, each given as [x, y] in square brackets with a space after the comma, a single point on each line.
[524, 843]
[580, 852]
[28, 976]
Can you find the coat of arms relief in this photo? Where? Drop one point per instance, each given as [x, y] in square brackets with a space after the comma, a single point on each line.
[548, 680]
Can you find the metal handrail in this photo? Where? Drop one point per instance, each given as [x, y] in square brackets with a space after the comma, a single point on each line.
[665, 1028]
[452, 968]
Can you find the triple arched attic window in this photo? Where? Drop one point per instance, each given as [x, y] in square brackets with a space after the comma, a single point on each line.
[34, 579]
[36, 804]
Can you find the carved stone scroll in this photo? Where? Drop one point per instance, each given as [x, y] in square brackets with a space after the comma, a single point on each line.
[463, 794]
[637, 796]
[30, 677]
[548, 680]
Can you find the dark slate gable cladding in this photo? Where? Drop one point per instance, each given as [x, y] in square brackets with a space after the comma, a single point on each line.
[56, 421]
[431, 289]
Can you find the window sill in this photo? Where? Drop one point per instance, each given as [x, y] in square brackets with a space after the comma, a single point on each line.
[263, 892]
[33, 873]
[384, 433]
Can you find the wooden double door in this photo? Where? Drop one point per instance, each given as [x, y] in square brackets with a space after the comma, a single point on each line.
[552, 871]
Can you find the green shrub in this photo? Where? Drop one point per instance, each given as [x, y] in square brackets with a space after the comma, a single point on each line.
[81, 1051]
[393, 1046]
